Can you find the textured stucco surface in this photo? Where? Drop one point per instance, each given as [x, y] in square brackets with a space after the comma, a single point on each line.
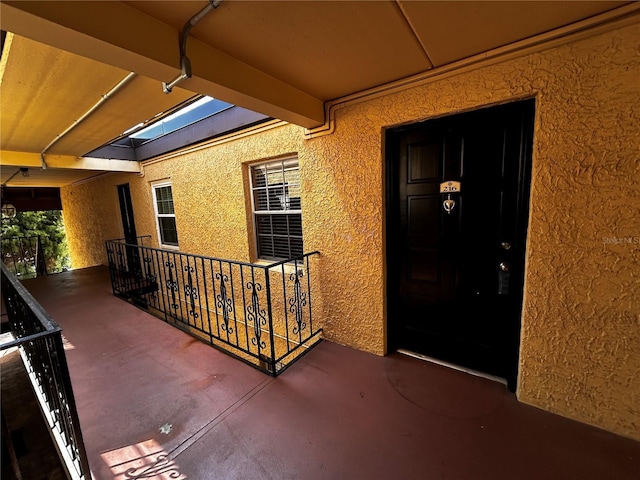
[91, 216]
[580, 346]
[581, 324]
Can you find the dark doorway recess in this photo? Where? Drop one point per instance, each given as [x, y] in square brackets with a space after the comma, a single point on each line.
[129, 228]
[455, 259]
[32, 199]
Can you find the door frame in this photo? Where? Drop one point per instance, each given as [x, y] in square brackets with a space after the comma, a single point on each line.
[391, 224]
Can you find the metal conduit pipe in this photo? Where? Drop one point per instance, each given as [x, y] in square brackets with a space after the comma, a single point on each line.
[103, 99]
[10, 178]
[185, 63]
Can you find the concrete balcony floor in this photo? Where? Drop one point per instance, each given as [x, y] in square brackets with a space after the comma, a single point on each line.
[146, 390]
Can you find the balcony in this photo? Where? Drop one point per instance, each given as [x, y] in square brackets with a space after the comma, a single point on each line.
[155, 402]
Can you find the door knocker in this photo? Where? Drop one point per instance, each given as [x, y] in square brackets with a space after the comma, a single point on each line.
[449, 187]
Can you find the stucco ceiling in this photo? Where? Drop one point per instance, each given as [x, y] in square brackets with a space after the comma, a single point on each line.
[285, 59]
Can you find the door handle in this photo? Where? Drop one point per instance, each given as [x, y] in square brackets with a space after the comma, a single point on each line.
[505, 267]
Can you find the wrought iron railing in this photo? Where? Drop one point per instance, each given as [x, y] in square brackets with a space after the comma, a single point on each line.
[261, 314]
[39, 339]
[24, 256]
[139, 240]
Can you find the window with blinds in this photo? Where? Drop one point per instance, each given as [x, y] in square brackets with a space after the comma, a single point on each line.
[165, 214]
[275, 190]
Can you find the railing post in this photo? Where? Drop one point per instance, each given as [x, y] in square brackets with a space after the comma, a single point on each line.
[308, 260]
[41, 263]
[272, 358]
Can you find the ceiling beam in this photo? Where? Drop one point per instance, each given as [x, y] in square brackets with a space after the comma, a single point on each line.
[33, 160]
[116, 34]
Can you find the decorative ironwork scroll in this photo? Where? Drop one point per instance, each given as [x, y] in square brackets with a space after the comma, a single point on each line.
[190, 292]
[298, 301]
[255, 314]
[162, 466]
[223, 302]
[172, 285]
[147, 265]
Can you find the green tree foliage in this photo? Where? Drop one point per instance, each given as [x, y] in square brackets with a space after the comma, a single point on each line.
[49, 226]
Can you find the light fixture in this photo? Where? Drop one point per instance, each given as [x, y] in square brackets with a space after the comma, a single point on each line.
[8, 210]
[24, 171]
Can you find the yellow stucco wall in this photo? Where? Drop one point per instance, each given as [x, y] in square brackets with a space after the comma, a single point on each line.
[91, 216]
[580, 354]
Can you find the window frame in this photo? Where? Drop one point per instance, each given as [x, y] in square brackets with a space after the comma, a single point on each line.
[260, 257]
[158, 216]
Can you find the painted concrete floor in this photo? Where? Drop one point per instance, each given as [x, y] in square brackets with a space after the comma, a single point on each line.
[156, 403]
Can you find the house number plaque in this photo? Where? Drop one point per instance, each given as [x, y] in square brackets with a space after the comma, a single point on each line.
[449, 187]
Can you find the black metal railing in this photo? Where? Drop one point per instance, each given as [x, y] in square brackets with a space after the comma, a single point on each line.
[39, 339]
[24, 256]
[261, 314]
[139, 240]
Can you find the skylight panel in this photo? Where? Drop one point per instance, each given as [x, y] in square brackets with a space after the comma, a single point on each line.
[168, 131]
[194, 112]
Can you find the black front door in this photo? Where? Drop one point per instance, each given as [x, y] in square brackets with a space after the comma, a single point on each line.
[455, 251]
